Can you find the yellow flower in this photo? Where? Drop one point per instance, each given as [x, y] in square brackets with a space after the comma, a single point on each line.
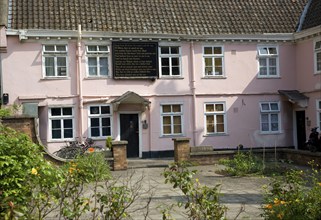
[34, 171]
[276, 201]
[283, 202]
[196, 180]
[71, 170]
[280, 216]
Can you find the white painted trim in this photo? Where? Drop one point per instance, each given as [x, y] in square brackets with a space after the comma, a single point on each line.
[223, 76]
[315, 55]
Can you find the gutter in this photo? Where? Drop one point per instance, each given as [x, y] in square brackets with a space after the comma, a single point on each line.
[79, 85]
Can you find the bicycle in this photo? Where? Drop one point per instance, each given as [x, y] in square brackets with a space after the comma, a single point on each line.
[75, 148]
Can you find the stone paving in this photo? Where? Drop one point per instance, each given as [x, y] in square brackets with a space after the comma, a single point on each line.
[236, 191]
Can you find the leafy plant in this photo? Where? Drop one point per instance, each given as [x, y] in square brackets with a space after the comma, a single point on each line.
[242, 164]
[202, 202]
[289, 196]
[109, 140]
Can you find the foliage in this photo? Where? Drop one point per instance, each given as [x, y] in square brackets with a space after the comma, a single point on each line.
[242, 164]
[8, 111]
[202, 202]
[109, 140]
[289, 196]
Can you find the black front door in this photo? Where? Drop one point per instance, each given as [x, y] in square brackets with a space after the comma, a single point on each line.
[129, 131]
[300, 128]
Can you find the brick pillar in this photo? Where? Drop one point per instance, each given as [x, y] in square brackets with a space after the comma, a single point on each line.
[120, 154]
[181, 149]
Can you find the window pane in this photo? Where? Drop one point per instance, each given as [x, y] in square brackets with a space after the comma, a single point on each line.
[165, 71]
[166, 120]
[175, 61]
[175, 71]
[68, 133]
[219, 107]
[319, 61]
[95, 132]
[92, 61]
[92, 66]
[55, 124]
[275, 126]
[167, 129]
[208, 70]
[103, 48]
[272, 71]
[94, 110]
[319, 104]
[210, 128]
[263, 71]
[164, 50]
[174, 50]
[105, 122]
[265, 127]
[208, 61]
[209, 108]
[208, 50]
[176, 108]
[94, 122]
[49, 48]
[274, 118]
[67, 111]
[50, 66]
[56, 134]
[274, 106]
[61, 66]
[166, 108]
[67, 123]
[210, 123]
[177, 129]
[218, 62]
[103, 66]
[106, 131]
[177, 120]
[219, 119]
[218, 71]
[61, 48]
[92, 48]
[165, 61]
[265, 118]
[262, 62]
[217, 50]
[263, 51]
[105, 110]
[220, 127]
[272, 61]
[272, 51]
[56, 111]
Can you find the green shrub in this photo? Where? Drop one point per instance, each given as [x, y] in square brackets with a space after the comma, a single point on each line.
[242, 164]
[202, 202]
[289, 197]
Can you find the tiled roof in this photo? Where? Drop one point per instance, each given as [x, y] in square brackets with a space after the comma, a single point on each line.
[313, 16]
[191, 17]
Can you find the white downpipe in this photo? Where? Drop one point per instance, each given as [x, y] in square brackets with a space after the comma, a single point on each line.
[79, 84]
[193, 93]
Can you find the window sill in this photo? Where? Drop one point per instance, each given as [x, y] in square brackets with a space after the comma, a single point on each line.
[215, 135]
[172, 136]
[171, 77]
[268, 77]
[317, 73]
[97, 77]
[214, 77]
[270, 133]
[56, 78]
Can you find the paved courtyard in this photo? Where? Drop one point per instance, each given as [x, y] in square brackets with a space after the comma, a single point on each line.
[236, 191]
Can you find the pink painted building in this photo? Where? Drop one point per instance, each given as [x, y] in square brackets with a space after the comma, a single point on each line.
[222, 73]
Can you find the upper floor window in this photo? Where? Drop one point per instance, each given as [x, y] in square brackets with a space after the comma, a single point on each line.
[270, 117]
[97, 60]
[213, 61]
[55, 60]
[99, 121]
[172, 119]
[61, 123]
[317, 55]
[170, 61]
[268, 61]
[215, 118]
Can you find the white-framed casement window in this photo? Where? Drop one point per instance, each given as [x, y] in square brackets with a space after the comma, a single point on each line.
[268, 61]
[213, 57]
[97, 60]
[172, 119]
[317, 56]
[270, 117]
[61, 123]
[215, 118]
[55, 60]
[170, 61]
[100, 119]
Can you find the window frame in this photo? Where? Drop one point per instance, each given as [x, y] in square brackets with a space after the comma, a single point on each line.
[98, 54]
[100, 116]
[61, 118]
[317, 51]
[214, 56]
[318, 112]
[267, 58]
[215, 113]
[55, 54]
[170, 56]
[172, 114]
[269, 113]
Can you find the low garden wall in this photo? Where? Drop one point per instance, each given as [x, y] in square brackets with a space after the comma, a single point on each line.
[205, 155]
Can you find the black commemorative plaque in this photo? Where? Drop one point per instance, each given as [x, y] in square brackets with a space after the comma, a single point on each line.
[135, 60]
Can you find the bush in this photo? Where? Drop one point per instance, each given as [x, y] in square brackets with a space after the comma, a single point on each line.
[242, 164]
[289, 196]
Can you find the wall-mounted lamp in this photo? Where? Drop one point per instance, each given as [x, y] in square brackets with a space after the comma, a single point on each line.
[145, 124]
[5, 98]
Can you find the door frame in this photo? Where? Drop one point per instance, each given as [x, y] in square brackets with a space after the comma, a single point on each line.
[140, 153]
[295, 127]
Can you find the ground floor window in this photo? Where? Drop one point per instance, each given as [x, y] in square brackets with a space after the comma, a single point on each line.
[61, 123]
[171, 118]
[270, 117]
[215, 118]
[319, 113]
[99, 121]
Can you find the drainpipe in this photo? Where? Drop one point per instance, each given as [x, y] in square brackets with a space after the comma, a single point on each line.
[1, 82]
[79, 85]
[193, 93]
